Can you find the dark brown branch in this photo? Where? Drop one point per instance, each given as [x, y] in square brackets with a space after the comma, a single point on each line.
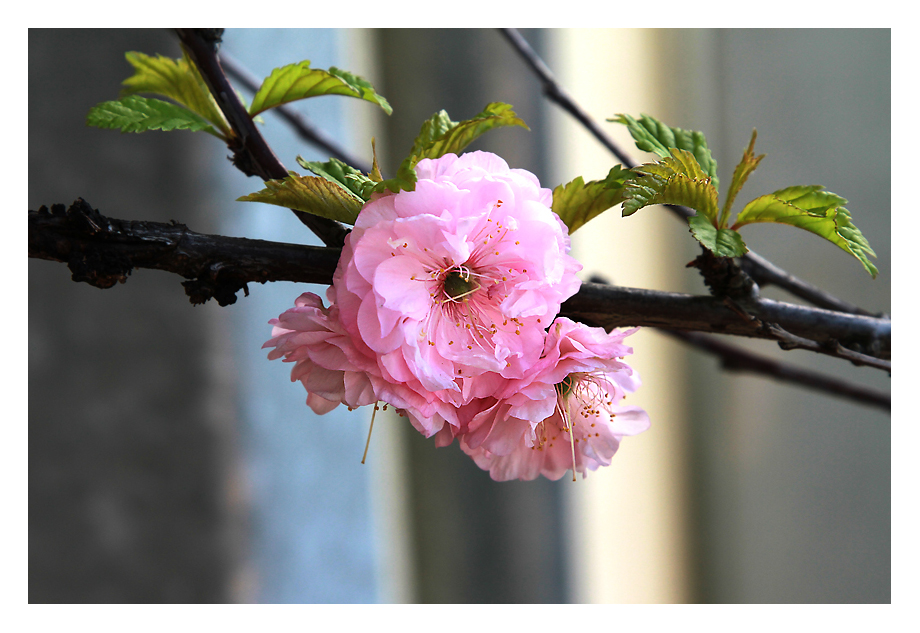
[251, 154]
[760, 269]
[103, 251]
[613, 306]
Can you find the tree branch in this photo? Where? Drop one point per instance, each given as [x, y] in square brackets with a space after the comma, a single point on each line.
[736, 359]
[102, 251]
[760, 269]
[251, 154]
[613, 306]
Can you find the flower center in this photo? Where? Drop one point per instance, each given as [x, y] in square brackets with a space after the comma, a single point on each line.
[458, 286]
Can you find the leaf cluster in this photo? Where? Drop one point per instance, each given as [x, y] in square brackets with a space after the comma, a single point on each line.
[438, 136]
[193, 107]
[686, 175]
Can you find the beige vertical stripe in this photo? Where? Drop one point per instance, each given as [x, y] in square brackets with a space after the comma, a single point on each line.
[627, 522]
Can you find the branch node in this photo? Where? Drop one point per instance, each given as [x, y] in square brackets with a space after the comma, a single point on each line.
[724, 277]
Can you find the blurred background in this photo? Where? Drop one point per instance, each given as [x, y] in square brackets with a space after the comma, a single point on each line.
[169, 461]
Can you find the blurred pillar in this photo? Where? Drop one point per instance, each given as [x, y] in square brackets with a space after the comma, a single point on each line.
[474, 540]
[629, 521]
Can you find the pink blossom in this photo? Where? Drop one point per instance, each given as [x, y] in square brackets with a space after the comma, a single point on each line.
[325, 360]
[578, 384]
[336, 369]
[458, 279]
[439, 307]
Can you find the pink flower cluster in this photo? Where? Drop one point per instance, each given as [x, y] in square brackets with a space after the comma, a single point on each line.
[444, 306]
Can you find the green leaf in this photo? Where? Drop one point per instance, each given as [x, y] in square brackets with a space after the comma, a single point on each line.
[651, 135]
[812, 208]
[743, 169]
[139, 114]
[678, 179]
[722, 242]
[311, 194]
[439, 135]
[577, 202]
[342, 174]
[176, 79]
[299, 81]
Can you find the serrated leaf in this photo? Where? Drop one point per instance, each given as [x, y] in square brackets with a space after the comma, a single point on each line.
[363, 86]
[812, 208]
[439, 135]
[343, 175]
[312, 194]
[298, 81]
[678, 179]
[743, 169]
[176, 79]
[651, 135]
[722, 242]
[578, 202]
[139, 114]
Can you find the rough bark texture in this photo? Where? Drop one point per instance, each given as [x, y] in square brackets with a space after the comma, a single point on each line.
[103, 251]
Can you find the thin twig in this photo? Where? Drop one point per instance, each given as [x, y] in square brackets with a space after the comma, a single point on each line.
[789, 341]
[736, 359]
[555, 93]
[759, 268]
[252, 155]
[765, 272]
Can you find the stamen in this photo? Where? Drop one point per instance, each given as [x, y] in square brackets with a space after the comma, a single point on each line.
[566, 425]
[369, 431]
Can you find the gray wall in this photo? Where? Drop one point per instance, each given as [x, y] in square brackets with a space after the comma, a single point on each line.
[130, 434]
[794, 487]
